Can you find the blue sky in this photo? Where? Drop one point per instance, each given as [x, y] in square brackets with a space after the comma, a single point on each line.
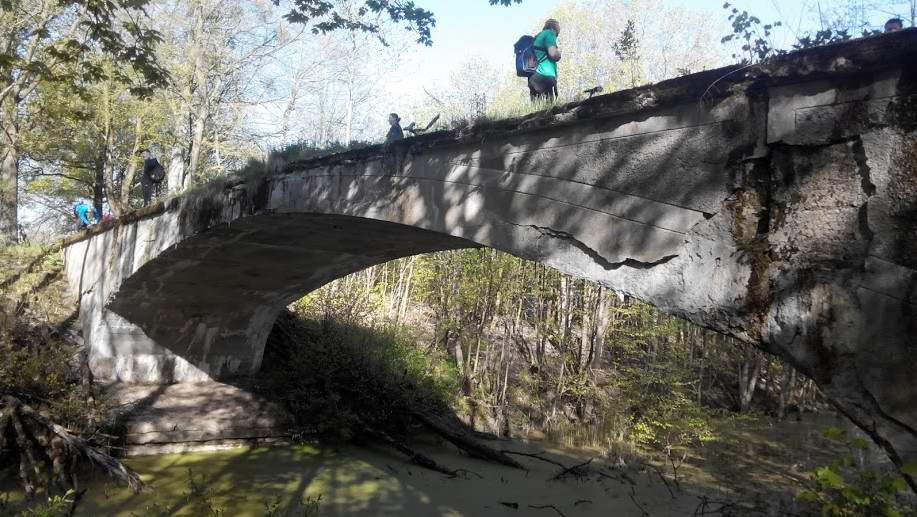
[474, 28]
[466, 28]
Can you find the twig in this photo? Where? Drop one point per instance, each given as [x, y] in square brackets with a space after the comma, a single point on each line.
[466, 472]
[702, 507]
[572, 470]
[433, 97]
[76, 500]
[661, 477]
[624, 477]
[676, 466]
[703, 95]
[537, 456]
[640, 506]
[547, 507]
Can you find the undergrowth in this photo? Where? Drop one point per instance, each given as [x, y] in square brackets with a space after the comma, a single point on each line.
[43, 382]
[337, 379]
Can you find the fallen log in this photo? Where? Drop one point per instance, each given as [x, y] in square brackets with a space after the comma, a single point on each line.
[466, 444]
[537, 456]
[413, 456]
[76, 446]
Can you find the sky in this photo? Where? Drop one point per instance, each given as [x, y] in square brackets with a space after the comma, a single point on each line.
[474, 28]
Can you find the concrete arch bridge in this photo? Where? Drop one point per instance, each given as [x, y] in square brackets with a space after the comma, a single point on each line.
[776, 204]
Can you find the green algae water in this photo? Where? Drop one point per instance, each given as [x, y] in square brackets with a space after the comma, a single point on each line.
[367, 481]
[310, 480]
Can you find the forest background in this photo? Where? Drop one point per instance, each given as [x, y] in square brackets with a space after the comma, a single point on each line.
[212, 86]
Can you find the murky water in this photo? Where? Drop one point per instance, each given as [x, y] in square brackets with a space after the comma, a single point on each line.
[367, 481]
[753, 456]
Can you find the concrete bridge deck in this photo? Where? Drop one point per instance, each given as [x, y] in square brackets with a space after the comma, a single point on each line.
[776, 204]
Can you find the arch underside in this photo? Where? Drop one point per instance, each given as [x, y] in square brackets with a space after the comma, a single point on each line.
[211, 301]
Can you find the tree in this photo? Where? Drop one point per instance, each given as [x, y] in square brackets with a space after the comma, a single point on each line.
[91, 138]
[627, 48]
[325, 16]
[58, 42]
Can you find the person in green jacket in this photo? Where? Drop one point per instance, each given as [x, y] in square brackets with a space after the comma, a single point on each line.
[543, 83]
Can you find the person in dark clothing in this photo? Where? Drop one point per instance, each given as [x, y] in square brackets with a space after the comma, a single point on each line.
[151, 176]
[395, 132]
[543, 83]
[894, 25]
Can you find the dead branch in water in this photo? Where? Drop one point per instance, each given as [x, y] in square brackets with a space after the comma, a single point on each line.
[537, 456]
[46, 446]
[547, 507]
[574, 470]
[413, 456]
[640, 506]
[465, 443]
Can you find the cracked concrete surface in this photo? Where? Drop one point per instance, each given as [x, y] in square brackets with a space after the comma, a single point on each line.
[776, 204]
[596, 256]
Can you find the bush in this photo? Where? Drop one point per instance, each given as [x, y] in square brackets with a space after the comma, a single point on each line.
[336, 379]
[843, 489]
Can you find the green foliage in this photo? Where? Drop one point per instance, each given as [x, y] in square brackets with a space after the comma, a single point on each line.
[663, 411]
[325, 17]
[844, 489]
[56, 506]
[106, 27]
[754, 36]
[822, 37]
[306, 151]
[37, 365]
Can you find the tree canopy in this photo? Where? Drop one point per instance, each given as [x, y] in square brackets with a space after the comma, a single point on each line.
[326, 16]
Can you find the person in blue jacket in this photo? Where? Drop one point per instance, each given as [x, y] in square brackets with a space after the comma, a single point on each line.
[85, 214]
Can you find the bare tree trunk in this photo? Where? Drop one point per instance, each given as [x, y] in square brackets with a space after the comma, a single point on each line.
[290, 107]
[118, 199]
[130, 174]
[197, 143]
[348, 117]
[588, 331]
[199, 95]
[9, 177]
[702, 355]
[406, 294]
[560, 390]
[98, 185]
[786, 390]
[176, 172]
[602, 321]
[749, 371]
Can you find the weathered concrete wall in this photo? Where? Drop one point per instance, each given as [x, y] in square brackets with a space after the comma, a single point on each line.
[777, 204]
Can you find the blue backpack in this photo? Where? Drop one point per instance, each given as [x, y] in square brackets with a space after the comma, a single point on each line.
[526, 62]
